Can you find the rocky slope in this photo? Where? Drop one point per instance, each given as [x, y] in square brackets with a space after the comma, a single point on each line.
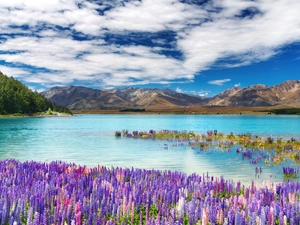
[284, 94]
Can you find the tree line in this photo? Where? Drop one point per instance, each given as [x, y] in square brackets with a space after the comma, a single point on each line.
[286, 111]
[17, 98]
[283, 111]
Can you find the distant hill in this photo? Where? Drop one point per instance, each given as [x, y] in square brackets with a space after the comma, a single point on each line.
[16, 98]
[284, 94]
[82, 98]
[87, 98]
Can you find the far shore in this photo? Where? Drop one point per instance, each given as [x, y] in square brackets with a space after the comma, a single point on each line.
[39, 115]
[163, 110]
[189, 110]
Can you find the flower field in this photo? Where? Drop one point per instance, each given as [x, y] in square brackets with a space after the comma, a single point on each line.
[65, 193]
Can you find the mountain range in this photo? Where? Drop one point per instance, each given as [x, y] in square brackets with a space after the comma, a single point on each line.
[83, 98]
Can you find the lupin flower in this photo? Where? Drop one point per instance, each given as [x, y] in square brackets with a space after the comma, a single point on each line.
[36, 220]
[238, 218]
[204, 216]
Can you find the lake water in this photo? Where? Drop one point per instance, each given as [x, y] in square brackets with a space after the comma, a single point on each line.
[89, 140]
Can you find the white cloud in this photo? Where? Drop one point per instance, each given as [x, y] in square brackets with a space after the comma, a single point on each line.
[153, 15]
[200, 93]
[237, 85]
[179, 90]
[248, 40]
[218, 82]
[204, 36]
[203, 93]
[128, 66]
[14, 72]
[35, 89]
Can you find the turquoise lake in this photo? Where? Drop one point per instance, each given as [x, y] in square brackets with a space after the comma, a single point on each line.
[89, 140]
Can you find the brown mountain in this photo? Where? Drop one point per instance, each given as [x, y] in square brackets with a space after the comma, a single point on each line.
[84, 98]
[80, 98]
[284, 94]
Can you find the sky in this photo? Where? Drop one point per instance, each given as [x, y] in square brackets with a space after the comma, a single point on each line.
[199, 47]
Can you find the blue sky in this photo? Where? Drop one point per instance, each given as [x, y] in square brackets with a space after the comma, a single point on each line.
[199, 47]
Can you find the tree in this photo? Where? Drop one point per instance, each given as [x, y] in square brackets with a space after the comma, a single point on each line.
[15, 97]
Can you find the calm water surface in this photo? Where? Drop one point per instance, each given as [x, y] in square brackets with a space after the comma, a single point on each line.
[89, 140]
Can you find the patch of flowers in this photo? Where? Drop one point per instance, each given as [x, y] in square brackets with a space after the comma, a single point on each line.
[290, 172]
[254, 148]
[65, 193]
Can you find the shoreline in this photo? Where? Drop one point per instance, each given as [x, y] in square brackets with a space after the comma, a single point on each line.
[35, 116]
[256, 182]
[187, 111]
